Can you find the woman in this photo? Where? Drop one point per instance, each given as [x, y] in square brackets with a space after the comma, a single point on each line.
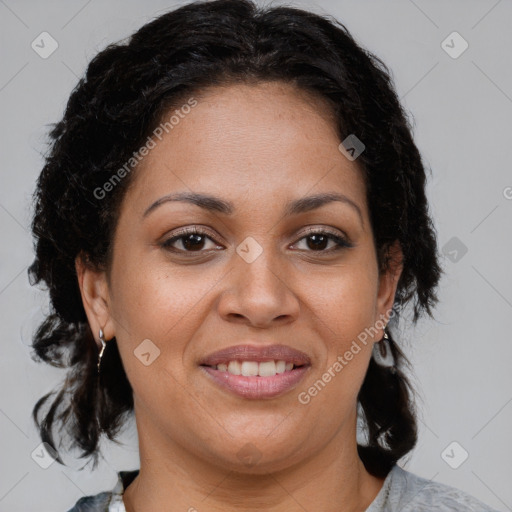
[232, 210]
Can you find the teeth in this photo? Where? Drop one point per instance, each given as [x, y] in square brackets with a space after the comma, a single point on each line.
[249, 368]
[267, 369]
[253, 368]
[234, 368]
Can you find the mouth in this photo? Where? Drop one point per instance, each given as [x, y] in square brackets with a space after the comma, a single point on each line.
[256, 372]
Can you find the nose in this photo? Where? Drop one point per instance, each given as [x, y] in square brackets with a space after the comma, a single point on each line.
[259, 293]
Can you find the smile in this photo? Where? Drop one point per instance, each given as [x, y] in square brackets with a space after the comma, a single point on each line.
[256, 380]
[254, 368]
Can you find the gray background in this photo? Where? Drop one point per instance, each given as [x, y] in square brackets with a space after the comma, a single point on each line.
[461, 109]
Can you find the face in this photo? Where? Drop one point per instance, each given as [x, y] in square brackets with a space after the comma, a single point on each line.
[257, 273]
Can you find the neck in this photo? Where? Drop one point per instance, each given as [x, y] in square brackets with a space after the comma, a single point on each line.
[174, 479]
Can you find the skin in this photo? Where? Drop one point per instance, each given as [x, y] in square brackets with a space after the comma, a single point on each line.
[257, 146]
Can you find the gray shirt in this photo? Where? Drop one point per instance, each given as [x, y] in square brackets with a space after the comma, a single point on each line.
[402, 491]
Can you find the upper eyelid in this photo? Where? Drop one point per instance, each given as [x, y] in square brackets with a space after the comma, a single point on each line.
[331, 231]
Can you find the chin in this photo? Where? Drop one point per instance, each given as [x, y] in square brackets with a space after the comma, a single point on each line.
[257, 455]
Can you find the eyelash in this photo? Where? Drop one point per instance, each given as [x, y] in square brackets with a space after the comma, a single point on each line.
[341, 243]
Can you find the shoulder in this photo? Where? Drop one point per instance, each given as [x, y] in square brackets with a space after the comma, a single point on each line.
[409, 492]
[107, 500]
[96, 503]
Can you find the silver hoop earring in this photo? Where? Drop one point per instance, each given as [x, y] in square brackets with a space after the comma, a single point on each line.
[382, 353]
[104, 344]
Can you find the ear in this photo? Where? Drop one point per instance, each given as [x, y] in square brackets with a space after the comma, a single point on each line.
[388, 281]
[95, 298]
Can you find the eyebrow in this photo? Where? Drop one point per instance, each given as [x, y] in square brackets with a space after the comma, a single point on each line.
[215, 204]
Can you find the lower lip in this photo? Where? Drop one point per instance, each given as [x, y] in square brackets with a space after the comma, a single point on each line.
[255, 387]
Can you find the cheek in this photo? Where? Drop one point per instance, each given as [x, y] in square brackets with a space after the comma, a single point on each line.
[165, 305]
[345, 300]
[152, 296]
[343, 310]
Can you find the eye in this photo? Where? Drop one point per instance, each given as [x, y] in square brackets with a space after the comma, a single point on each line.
[191, 239]
[317, 240]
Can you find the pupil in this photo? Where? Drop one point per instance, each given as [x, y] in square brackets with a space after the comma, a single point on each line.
[191, 241]
[319, 238]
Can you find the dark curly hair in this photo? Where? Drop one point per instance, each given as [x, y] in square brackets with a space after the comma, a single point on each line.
[126, 91]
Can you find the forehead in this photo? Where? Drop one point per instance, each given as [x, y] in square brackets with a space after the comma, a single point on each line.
[266, 140]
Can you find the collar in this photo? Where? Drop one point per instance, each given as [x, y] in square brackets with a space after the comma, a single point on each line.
[124, 479]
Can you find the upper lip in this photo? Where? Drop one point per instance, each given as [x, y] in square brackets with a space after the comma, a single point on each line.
[258, 353]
